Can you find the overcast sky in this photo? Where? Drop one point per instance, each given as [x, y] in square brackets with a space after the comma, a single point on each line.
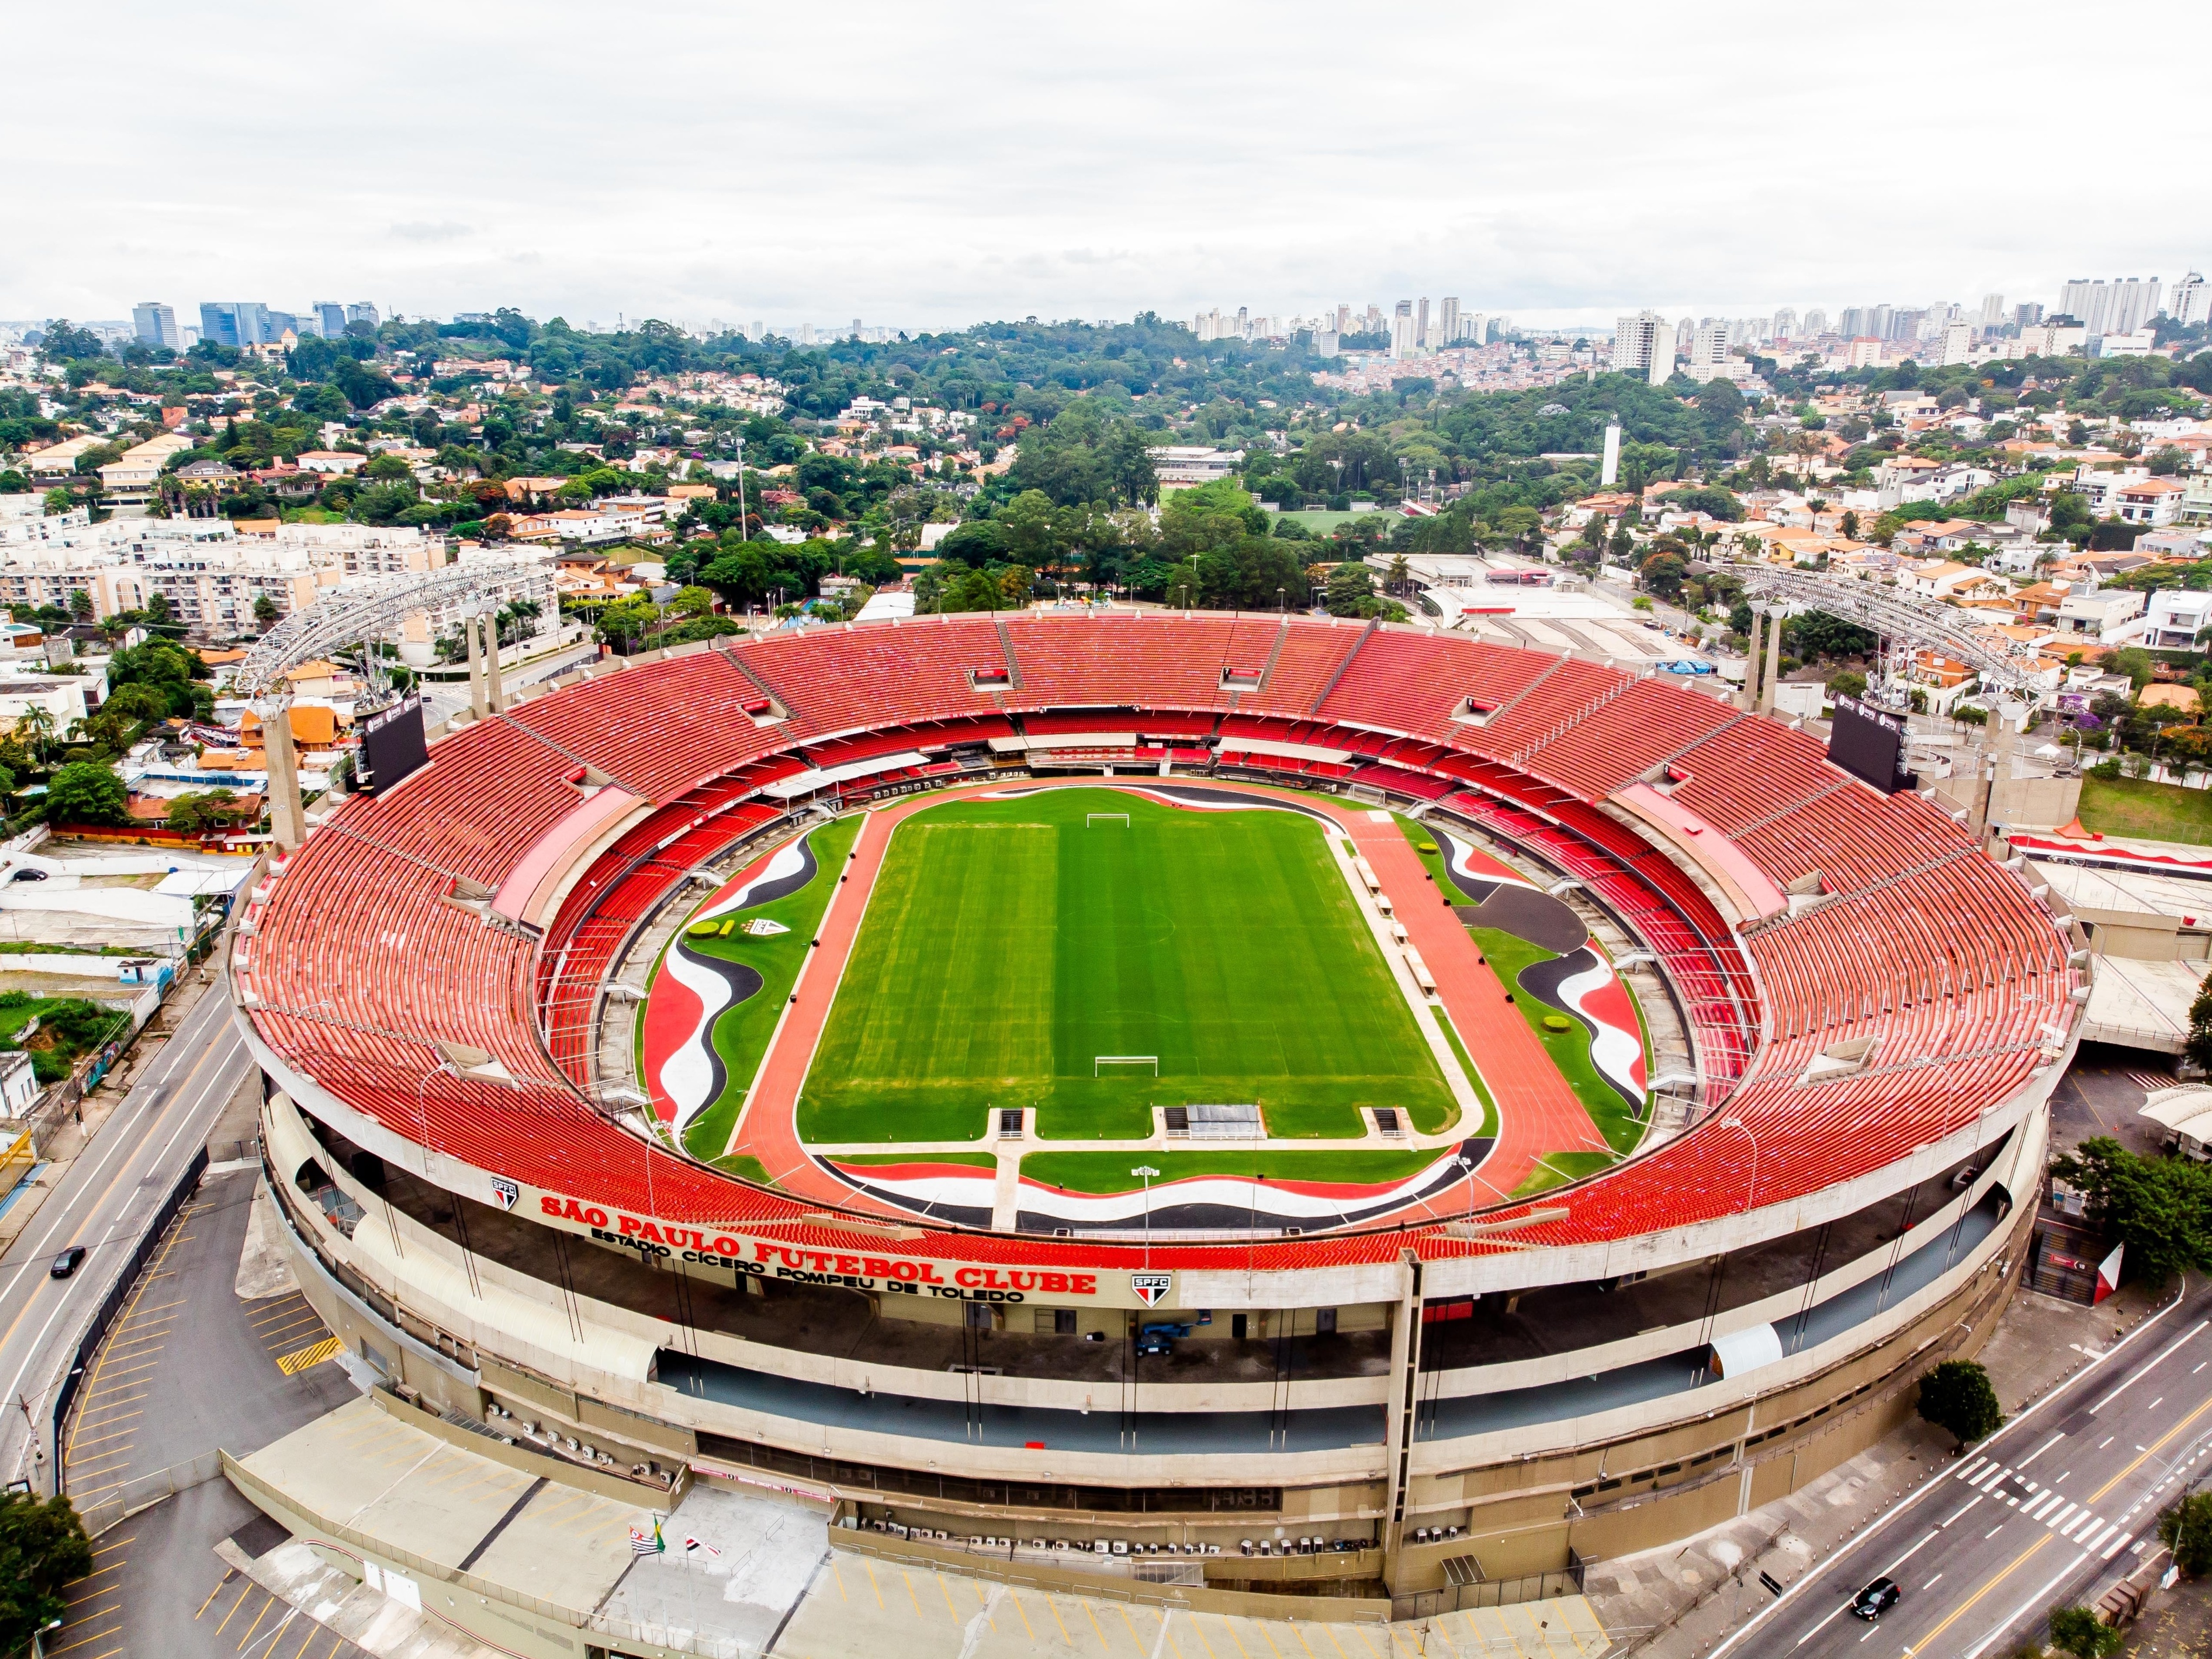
[929, 166]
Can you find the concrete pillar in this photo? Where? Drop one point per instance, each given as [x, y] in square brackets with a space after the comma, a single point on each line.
[1753, 656]
[476, 667]
[1403, 1406]
[1773, 660]
[286, 821]
[491, 662]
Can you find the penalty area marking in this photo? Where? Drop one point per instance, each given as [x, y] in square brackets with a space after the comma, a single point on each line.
[1121, 818]
[1152, 1060]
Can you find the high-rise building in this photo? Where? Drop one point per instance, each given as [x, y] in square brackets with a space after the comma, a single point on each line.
[155, 324]
[235, 322]
[2028, 315]
[1816, 324]
[1640, 344]
[1421, 323]
[1958, 338]
[2120, 307]
[1610, 473]
[1448, 321]
[1882, 321]
[1786, 324]
[329, 318]
[1402, 339]
[1474, 327]
[1993, 313]
[1709, 349]
[1852, 324]
[2188, 303]
[362, 312]
[1683, 331]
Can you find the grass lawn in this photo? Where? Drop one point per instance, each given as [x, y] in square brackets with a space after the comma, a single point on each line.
[745, 1167]
[1323, 523]
[1570, 1049]
[1109, 1172]
[2154, 812]
[976, 1160]
[741, 1034]
[1007, 943]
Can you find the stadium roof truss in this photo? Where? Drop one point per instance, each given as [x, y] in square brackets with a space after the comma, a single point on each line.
[372, 611]
[1927, 623]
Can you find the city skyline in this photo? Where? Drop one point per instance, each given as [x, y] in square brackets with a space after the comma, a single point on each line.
[947, 177]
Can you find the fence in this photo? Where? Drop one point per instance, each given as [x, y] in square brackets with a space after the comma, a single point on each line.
[112, 1303]
[149, 1490]
[1491, 1593]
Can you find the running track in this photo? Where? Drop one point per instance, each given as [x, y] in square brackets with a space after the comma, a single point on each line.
[1538, 1112]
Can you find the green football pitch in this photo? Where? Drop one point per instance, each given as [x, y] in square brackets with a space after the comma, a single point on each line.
[1008, 944]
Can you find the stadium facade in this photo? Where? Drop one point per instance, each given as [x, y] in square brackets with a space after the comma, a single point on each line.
[1466, 1397]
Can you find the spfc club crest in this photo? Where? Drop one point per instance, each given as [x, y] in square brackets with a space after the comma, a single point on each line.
[1151, 1289]
[505, 1192]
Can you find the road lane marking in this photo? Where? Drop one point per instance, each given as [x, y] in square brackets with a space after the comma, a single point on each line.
[2040, 1450]
[156, 1104]
[1970, 1503]
[2115, 1546]
[2025, 1607]
[2145, 1368]
[1884, 1573]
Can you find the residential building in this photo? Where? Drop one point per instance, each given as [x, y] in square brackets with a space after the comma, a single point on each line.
[2154, 502]
[128, 481]
[2053, 340]
[1448, 320]
[1958, 343]
[2113, 616]
[1402, 337]
[2177, 616]
[155, 324]
[1945, 580]
[2189, 302]
[1709, 349]
[335, 462]
[2115, 308]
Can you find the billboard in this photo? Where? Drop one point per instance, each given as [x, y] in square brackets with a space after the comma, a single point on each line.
[1869, 744]
[393, 749]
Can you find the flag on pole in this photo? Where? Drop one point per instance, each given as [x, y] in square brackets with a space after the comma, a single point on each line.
[641, 1542]
[691, 1545]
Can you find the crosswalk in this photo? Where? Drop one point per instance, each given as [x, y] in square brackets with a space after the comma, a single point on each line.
[2151, 1082]
[2081, 1526]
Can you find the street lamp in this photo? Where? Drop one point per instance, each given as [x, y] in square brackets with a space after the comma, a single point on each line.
[1282, 602]
[1147, 1172]
[1467, 1164]
[1190, 593]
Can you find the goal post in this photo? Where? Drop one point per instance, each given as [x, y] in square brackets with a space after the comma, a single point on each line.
[1121, 818]
[1097, 1061]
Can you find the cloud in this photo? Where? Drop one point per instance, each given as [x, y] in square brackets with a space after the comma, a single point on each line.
[422, 232]
[702, 159]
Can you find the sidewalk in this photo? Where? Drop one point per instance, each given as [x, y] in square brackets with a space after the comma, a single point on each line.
[1689, 1595]
[68, 1140]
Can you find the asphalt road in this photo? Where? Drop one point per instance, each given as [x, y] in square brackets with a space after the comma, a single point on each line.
[105, 1203]
[2052, 1510]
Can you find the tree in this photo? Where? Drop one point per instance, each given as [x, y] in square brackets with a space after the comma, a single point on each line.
[2160, 1208]
[2200, 1015]
[43, 1548]
[1350, 589]
[2079, 1631]
[1957, 1395]
[198, 814]
[87, 791]
[66, 343]
[264, 611]
[2186, 1529]
[34, 728]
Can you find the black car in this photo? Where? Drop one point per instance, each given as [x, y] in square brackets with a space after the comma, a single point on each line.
[1876, 1599]
[66, 1262]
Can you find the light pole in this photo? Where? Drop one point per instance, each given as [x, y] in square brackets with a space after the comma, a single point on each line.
[1468, 1165]
[1282, 601]
[1146, 1171]
[740, 443]
[1190, 593]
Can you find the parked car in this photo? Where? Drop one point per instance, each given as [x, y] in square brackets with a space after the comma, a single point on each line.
[66, 1262]
[1876, 1599]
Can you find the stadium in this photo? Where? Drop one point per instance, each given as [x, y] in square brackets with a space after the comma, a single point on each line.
[1312, 1109]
